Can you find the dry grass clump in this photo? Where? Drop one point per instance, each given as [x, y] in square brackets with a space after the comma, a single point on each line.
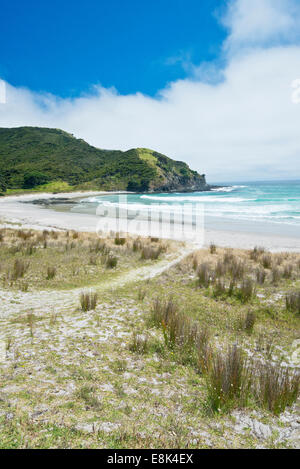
[261, 275]
[205, 275]
[246, 290]
[20, 267]
[51, 272]
[88, 301]
[256, 253]
[266, 261]
[288, 271]
[149, 252]
[292, 300]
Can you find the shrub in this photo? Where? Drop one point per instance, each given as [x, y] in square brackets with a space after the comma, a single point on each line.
[88, 301]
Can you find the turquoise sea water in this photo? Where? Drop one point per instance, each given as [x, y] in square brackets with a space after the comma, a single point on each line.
[271, 207]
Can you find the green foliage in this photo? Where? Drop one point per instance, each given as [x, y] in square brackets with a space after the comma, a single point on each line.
[33, 157]
[3, 185]
[33, 179]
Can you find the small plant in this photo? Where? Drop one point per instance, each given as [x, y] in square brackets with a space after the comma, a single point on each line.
[30, 322]
[119, 241]
[275, 275]
[93, 260]
[212, 248]
[141, 293]
[256, 253]
[111, 261]
[149, 252]
[87, 394]
[20, 267]
[287, 271]
[249, 322]
[204, 275]
[246, 290]
[260, 276]
[139, 343]
[219, 288]
[51, 272]
[292, 300]
[266, 261]
[88, 301]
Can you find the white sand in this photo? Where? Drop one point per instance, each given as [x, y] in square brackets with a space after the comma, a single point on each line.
[13, 213]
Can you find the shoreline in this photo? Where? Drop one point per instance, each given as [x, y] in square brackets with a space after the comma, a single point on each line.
[14, 213]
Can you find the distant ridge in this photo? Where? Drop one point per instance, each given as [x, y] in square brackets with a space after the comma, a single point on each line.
[35, 157]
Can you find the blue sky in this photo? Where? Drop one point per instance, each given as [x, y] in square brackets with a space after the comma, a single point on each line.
[65, 47]
[210, 82]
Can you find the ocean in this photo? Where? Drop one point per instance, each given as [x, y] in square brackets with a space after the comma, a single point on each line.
[261, 207]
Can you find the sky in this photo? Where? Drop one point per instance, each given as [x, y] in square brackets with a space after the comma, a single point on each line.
[215, 83]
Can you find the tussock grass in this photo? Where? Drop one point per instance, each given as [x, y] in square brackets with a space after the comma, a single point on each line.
[88, 301]
[249, 322]
[292, 301]
[246, 291]
[139, 343]
[149, 252]
[205, 275]
[228, 380]
[51, 272]
[20, 268]
[277, 387]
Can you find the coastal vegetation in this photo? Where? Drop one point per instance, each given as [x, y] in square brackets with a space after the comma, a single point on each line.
[204, 355]
[51, 160]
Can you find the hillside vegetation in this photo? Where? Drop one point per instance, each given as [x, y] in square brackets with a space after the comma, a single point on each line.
[33, 157]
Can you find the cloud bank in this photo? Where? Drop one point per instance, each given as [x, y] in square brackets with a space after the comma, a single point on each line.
[244, 126]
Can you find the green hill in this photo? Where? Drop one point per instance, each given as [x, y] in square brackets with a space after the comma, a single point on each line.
[34, 157]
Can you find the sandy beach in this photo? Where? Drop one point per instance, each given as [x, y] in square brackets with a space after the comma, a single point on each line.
[13, 212]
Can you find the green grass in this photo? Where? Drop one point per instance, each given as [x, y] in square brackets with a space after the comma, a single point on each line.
[109, 378]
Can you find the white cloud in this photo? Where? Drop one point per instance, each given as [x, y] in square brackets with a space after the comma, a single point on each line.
[261, 22]
[243, 127]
